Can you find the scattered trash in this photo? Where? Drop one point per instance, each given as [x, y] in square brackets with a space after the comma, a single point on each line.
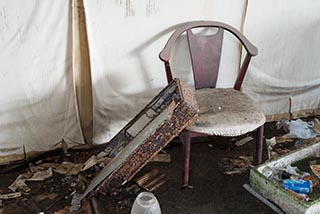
[96, 207]
[75, 202]
[243, 141]
[39, 162]
[316, 170]
[85, 208]
[278, 140]
[296, 182]
[279, 174]
[237, 165]
[65, 210]
[233, 172]
[246, 158]
[74, 178]
[316, 125]
[68, 168]
[41, 175]
[47, 165]
[93, 160]
[146, 203]
[155, 183]
[279, 145]
[151, 180]
[301, 129]
[10, 195]
[314, 180]
[292, 170]
[19, 184]
[133, 189]
[301, 197]
[77, 206]
[299, 133]
[298, 185]
[32, 168]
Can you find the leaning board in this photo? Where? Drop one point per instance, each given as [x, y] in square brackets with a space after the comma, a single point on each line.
[144, 136]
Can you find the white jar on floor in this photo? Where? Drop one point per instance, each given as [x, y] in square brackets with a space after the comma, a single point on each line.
[146, 203]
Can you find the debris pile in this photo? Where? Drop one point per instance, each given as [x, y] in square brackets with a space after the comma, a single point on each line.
[108, 171]
[50, 182]
[300, 179]
[298, 133]
[53, 184]
[239, 165]
[151, 180]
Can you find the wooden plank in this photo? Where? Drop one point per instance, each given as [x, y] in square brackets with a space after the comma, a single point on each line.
[172, 110]
[82, 71]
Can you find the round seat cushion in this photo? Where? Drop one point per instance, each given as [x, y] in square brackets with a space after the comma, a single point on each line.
[226, 112]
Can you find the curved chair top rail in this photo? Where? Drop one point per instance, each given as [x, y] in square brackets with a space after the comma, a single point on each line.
[166, 51]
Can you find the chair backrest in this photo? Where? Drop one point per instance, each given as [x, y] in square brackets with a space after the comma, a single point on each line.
[205, 52]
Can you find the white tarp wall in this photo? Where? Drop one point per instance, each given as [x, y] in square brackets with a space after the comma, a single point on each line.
[37, 102]
[285, 76]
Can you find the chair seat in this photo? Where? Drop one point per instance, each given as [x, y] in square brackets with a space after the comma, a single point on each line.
[226, 112]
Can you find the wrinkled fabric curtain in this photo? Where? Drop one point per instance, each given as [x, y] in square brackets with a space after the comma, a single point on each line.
[285, 76]
[78, 76]
[37, 99]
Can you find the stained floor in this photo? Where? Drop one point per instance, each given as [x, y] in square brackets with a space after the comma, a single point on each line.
[213, 191]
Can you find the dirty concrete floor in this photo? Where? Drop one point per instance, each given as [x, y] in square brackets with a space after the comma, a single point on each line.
[213, 191]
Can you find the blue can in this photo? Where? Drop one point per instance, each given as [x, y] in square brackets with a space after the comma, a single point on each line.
[299, 186]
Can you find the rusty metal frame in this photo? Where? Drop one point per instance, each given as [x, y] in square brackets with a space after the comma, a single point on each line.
[172, 110]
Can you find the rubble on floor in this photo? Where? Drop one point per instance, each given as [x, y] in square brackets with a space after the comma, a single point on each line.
[52, 183]
[44, 187]
[291, 180]
[298, 133]
[151, 180]
[238, 165]
[109, 168]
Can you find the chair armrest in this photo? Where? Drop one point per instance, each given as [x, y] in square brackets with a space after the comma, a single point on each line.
[166, 51]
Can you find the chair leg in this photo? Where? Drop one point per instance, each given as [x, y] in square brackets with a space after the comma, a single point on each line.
[186, 140]
[259, 146]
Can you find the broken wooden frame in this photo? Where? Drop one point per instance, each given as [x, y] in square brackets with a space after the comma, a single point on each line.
[144, 136]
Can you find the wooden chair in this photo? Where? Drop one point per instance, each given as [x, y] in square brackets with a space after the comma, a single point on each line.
[223, 111]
